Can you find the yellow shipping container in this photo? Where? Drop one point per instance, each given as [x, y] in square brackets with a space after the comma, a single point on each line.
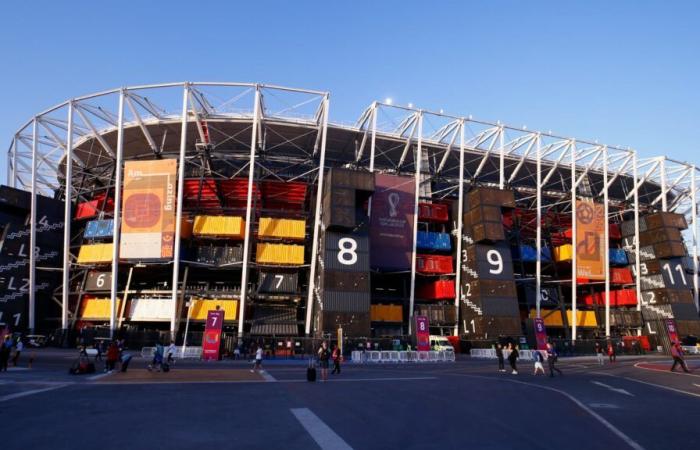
[97, 308]
[553, 318]
[95, 253]
[201, 307]
[280, 254]
[282, 228]
[224, 226]
[386, 313]
[563, 253]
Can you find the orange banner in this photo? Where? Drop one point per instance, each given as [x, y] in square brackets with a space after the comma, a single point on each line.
[590, 245]
[148, 209]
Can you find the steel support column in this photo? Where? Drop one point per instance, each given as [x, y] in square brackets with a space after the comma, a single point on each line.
[32, 233]
[68, 195]
[117, 216]
[182, 161]
[317, 217]
[637, 256]
[606, 238]
[13, 180]
[248, 215]
[460, 224]
[501, 159]
[538, 261]
[574, 268]
[694, 212]
[417, 166]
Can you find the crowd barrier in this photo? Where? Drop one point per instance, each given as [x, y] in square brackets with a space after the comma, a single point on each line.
[189, 353]
[490, 353]
[361, 357]
[691, 349]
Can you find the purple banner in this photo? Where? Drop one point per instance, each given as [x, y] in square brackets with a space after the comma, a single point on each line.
[391, 223]
[540, 334]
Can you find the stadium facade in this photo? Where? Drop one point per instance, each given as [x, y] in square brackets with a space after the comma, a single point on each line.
[185, 197]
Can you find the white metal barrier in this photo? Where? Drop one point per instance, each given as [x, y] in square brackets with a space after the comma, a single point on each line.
[189, 353]
[691, 349]
[386, 356]
[490, 353]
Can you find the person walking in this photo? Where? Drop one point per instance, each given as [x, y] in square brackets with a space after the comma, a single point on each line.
[257, 366]
[112, 356]
[499, 355]
[5, 350]
[599, 353]
[513, 358]
[237, 353]
[18, 351]
[171, 352]
[677, 354]
[552, 357]
[612, 354]
[324, 355]
[336, 355]
[539, 359]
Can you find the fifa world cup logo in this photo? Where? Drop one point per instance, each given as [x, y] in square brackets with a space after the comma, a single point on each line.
[393, 203]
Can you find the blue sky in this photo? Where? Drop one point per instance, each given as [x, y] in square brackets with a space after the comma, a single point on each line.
[622, 72]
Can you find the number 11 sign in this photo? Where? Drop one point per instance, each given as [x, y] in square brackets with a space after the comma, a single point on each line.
[211, 341]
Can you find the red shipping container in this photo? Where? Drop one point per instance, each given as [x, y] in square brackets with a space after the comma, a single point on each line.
[433, 212]
[91, 208]
[591, 299]
[438, 289]
[434, 264]
[614, 231]
[624, 297]
[620, 275]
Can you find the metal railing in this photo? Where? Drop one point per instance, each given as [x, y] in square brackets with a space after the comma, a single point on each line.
[403, 356]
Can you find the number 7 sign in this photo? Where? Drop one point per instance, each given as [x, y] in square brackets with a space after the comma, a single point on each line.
[211, 341]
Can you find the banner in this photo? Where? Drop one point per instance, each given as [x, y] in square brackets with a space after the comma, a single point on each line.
[391, 222]
[211, 341]
[590, 246]
[148, 211]
[540, 334]
[422, 334]
[672, 331]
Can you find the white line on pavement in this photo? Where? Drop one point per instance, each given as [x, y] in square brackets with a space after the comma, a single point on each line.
[267, 377]
[667, 371]
[614, 389]
[98, 376]
[31, 392]
[695, 384]
[324, 436]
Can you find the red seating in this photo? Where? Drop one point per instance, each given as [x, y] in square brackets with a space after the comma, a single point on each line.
[433, 212]
[208, 198]
[91, 208]
[434, 264]
[283, 195]
[438, 289]
[235, 192]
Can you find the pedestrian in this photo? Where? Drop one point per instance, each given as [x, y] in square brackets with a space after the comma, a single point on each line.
[237, 353]
[5, 350]
[499, 355]
[599, 353]
[112, 356]
[677, 354]
[171, 352]
[18, 351]
[612, 354]
[513, 357]
[258, 359]
[157, 362]
[324, 355]
[125, 359]
[552, 357]
[98, 349]
[336, 355]
[539, 359]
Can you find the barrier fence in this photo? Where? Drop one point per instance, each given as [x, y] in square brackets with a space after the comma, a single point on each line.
[403, 356]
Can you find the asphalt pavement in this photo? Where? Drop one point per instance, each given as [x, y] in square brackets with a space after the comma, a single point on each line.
[634, 403]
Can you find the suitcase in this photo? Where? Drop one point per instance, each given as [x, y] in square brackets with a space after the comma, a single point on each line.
[311, 372]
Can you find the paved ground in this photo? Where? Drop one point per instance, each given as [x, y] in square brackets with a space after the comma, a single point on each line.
[635, 403]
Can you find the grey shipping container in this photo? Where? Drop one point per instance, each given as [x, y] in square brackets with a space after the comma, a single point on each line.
[278, 282]
[345, 281]
[666, 296]
[346, 301]
[497, 306]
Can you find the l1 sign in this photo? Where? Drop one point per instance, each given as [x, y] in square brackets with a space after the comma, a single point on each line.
[422, 334]
[211, 341]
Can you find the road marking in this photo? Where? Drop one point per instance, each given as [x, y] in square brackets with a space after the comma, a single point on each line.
[614, 389]
[695, 384]
[30, 392]
[267, 377]
[664, 370]
[98, 376]
[603, 406]
[324, 436]
[628, 440]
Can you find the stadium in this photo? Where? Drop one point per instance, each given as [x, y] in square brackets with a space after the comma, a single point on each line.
[149, 206]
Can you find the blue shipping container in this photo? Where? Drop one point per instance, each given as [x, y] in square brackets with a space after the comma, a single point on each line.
[96, 229]
[618, 257]
[433, 241]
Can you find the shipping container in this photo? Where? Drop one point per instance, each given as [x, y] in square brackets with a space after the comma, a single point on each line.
[99, 229]
[278, 282]
[620, 275]
[549, 296]
[434, 264]
[483, 213]
[279, 254]
[336, 280]
[490, 327]
[614, 231]
[359, 180]
[199, 308]
[667, 296]
[688, 327]
[97, 308]
[489, 288]
[484, 232]
[356, 324]
[433, 212]
[669, 250]
[563, 253]
[483, 196]
[659, 235]
[436, 289]
[346, 251]
[427, 240]
[281, 228]
[497, 306]
[386, 313]
[666, 219]
[219, 255]
[219, 226]
[91, 208]
[617, 257]
[95, 254]
[345, 301]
